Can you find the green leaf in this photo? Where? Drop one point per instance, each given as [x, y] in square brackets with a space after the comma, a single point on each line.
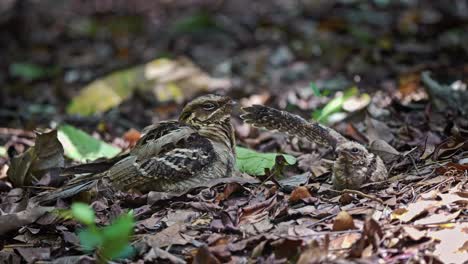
[116, 238]
[83, 213]
[335, 105]
[195, 23]
[315, 89]
[30, 71]
[80, 146]
[3, 151]
[90, 238]
[255, 163]
[168, 80]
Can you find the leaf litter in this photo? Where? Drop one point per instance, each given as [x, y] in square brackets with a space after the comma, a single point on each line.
[289, 213]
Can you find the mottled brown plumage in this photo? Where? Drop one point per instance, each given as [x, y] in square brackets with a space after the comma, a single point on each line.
[354, 165]
[172, 156]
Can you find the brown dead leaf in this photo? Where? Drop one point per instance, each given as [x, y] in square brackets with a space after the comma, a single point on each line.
[343, 221]
[156, 254]
[31, 255]
[413, 210]
[352, 132]
[455, 197]
[384, 150]
[409, 84]
[378, 130]
[204, 256]
[437, 219]
[231, 188]
[286, 248]
[344, 241]
[414, 233]
[369, 241]
[313, 254]
[450, 147]
[36, 161]
[169, 236]
[299, 194]
[13, 221]
[452, 247]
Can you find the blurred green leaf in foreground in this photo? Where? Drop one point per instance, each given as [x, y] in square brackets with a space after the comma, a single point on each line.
[109, 242]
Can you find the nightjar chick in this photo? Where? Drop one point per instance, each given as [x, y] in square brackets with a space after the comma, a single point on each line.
[354, 166]
[172, 156]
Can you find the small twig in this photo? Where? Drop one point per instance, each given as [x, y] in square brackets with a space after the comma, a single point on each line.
[361, 194]
[414, 164]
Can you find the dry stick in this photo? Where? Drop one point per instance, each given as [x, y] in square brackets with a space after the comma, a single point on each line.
[358, 193]
[361, 194]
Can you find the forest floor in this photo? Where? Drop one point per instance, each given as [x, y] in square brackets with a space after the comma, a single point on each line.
[376, 71]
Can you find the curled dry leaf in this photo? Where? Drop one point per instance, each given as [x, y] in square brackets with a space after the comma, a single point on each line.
[299, 194]
[450, 147]
[384, 150]
[378, 130]
[414, 233]
[13, 221]
[204, 256]
[46, 154]
[169, 236]
[437, 219]
[343, 221]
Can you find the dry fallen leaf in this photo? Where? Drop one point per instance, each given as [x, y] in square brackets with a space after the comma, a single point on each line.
[30, 166]
[169, 236]
[413, 210]
[13, 221]
[452, 247]
[343, 221]
[414, 233]
[299, 194]
[437, 219]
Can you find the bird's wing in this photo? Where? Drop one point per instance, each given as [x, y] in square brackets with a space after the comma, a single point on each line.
[160, 138]
[274, 119]
[187, 157]
[148, 144]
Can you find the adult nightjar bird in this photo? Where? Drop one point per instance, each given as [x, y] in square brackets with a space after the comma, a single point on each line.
[354, 165]
[172, 156]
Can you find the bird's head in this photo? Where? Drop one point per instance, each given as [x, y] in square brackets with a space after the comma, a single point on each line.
[351, 150]
[207, 109]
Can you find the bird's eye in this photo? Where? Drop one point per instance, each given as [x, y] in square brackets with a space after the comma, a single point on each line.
[354, 150]
[208, 106]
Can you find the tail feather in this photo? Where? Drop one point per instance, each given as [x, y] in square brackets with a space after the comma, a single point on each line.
[94, 167]
[274, 119]
[67, 191]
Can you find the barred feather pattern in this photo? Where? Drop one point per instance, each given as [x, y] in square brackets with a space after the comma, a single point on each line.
[354, 166]
[172, 156]
[274, 119]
